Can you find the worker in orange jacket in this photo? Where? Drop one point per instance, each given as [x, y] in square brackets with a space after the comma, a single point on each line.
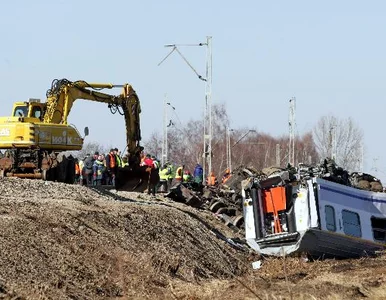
[211, 180]
[179, 173]
[111, 166]
[226, 175]
[77, 171]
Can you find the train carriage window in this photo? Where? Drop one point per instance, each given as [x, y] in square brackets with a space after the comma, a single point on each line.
[330, 218]
[379, 229]
[351, 223]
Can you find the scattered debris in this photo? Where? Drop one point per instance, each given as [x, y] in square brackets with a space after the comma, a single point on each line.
[256, 265]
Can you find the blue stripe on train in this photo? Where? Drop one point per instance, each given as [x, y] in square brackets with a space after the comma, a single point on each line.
[369, 199]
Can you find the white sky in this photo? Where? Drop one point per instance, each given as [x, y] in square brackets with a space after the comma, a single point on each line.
[330, 55]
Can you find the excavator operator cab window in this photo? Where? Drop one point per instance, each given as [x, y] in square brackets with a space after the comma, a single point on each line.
[21, 111]
[36, 112]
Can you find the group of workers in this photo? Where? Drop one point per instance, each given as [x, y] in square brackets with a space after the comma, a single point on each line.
[169, 175]
[100, 169]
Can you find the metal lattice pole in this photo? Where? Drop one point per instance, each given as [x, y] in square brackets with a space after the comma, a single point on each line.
[229, 151]
[208, 110]
[277, 155]
[207, 151]
[164, 158]
[292, 128]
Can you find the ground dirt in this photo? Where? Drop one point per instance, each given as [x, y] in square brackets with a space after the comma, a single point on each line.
[61, 241]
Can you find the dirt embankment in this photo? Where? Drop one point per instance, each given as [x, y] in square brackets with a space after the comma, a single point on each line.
[60, 241]
[63, 241]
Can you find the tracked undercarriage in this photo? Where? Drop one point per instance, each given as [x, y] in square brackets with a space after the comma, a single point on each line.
[37, 164]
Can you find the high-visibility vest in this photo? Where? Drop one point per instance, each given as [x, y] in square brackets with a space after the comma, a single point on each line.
[77, 169]
[226, 177]
[171, 169]
[211, 180]
[163, 174]
[118, 160]
[179, 173]
[112, 160]
[187, 177]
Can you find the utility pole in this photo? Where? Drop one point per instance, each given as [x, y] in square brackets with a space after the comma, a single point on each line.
[334, 147]
[207, 156]
[292, 128]
[277, 155]
[167, 123]
[332, 142]
[229, 151]
[164, 158]
[207, 149]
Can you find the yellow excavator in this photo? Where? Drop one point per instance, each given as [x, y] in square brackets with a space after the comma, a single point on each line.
[36, 135]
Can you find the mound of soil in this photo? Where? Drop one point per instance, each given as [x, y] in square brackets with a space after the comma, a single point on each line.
[63, 241]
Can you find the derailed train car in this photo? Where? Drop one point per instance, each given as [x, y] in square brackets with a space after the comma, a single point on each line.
[312, 215]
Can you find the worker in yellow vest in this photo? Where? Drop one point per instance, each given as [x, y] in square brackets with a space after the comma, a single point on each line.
[164, 176]
[125, 161]
[171, 174]
[187, 177]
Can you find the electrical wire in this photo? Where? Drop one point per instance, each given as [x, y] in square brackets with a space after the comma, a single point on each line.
[176, 115]
[184, 58]
[194, 70]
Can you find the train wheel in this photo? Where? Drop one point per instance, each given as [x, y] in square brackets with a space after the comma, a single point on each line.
[222, 210]
[216, 206]
[238, 221]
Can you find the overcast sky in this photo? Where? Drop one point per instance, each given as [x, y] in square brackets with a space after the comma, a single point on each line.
[330, 55]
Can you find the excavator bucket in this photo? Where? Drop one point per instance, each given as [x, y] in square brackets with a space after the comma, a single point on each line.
[139, 179]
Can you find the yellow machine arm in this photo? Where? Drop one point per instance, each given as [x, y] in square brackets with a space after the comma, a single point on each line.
[63, 93]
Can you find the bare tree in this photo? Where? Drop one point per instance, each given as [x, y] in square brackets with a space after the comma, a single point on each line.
[91, 148]
[185, 141]
[340, 139]
[259, 150]
[305, 149]
[153, 146]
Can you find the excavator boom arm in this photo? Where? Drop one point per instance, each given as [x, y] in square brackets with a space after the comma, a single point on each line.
[63, 93]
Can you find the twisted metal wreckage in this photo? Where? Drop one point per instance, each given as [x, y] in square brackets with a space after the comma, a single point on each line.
[321, 210]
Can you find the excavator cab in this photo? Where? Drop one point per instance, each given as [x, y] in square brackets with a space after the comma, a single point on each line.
[20, 110]
[31, 109]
